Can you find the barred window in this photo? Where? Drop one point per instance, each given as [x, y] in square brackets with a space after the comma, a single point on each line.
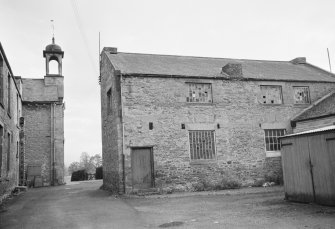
[199, 93]
[202, 144]
[271, 139]
[301, 95]
[271, 94]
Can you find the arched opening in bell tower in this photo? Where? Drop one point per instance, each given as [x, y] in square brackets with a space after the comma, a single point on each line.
[53, 67]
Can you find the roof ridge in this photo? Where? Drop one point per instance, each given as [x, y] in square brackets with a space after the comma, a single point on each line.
[201, 57]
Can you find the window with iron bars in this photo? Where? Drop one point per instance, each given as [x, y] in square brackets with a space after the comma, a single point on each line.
[272, 142]
[202, 144]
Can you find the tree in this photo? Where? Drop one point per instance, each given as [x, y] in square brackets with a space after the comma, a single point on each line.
[96, 160]
[87, 162]
[74, 166]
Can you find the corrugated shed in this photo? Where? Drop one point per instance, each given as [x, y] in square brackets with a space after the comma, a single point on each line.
[133, 63]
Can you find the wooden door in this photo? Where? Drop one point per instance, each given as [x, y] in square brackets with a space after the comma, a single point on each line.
[142, 168]
[322, 151]
[298, 182]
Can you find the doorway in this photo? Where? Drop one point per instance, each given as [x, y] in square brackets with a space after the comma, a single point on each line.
[142, 167]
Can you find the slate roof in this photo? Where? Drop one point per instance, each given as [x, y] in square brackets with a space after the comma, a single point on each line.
[34, 90]
[322, 107]
[188, 66]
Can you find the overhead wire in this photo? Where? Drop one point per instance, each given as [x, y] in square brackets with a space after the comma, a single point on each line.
[83, 35]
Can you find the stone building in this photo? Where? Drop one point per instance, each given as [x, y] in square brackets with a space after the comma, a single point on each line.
[43, 112]
[31, 125]
[10, 113]
[170, 121]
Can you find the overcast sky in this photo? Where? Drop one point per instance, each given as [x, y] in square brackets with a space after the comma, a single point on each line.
[257, 29]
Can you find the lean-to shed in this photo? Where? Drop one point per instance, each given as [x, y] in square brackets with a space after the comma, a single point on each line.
[308, 160]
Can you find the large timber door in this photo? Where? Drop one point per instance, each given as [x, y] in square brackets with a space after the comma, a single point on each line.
[296, 170]
[322, 151]
[142, 168]
[309, 168]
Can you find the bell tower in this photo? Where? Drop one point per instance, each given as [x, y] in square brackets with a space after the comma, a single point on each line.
[53, 52]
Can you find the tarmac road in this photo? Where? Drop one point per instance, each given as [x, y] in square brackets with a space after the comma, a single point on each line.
[79, 205]
[83, 205]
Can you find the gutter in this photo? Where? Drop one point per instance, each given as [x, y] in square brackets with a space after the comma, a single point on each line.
[221, 77]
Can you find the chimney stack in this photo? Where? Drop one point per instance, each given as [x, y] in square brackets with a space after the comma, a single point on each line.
[234, 70]
[299, 60]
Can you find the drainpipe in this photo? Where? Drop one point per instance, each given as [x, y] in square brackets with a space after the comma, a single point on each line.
[123, 150]
[52, 159]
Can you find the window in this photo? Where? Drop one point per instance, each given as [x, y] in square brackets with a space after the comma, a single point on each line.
[202, 144]
[17, 109]
[8, 94]
[199, 93]
[301, 95]
[271, 94]
[1, 80]
[109, 101]
[1, 144]
[8, 152]
[272, 142]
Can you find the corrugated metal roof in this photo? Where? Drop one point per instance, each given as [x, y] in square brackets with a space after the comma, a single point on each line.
[152, 64]
[323, 129]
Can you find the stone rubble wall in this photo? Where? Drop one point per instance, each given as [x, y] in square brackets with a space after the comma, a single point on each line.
[240, 146]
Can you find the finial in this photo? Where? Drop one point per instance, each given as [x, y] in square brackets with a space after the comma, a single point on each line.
[53, 31]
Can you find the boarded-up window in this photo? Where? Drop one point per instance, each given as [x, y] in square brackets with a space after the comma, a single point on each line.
[202, 144]
[199, 93]
[271, 139]
[109, 101]
[271, 94]
[301, 95]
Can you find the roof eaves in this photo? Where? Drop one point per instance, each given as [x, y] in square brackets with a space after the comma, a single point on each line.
[219, 76]
[10, 69]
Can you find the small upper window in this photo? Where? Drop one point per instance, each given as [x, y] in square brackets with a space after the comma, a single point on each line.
[271, 94]
[109, 101]
[199, 93]
[301, 95]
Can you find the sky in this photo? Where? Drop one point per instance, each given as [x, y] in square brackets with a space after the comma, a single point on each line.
[243, 29]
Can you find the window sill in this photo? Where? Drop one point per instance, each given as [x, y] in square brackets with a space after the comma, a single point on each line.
[302, 105]
[199, 104]
[273, 153]
[203, 162]
[274, 104]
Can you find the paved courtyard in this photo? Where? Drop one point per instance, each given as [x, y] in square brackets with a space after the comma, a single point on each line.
[83, 205]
